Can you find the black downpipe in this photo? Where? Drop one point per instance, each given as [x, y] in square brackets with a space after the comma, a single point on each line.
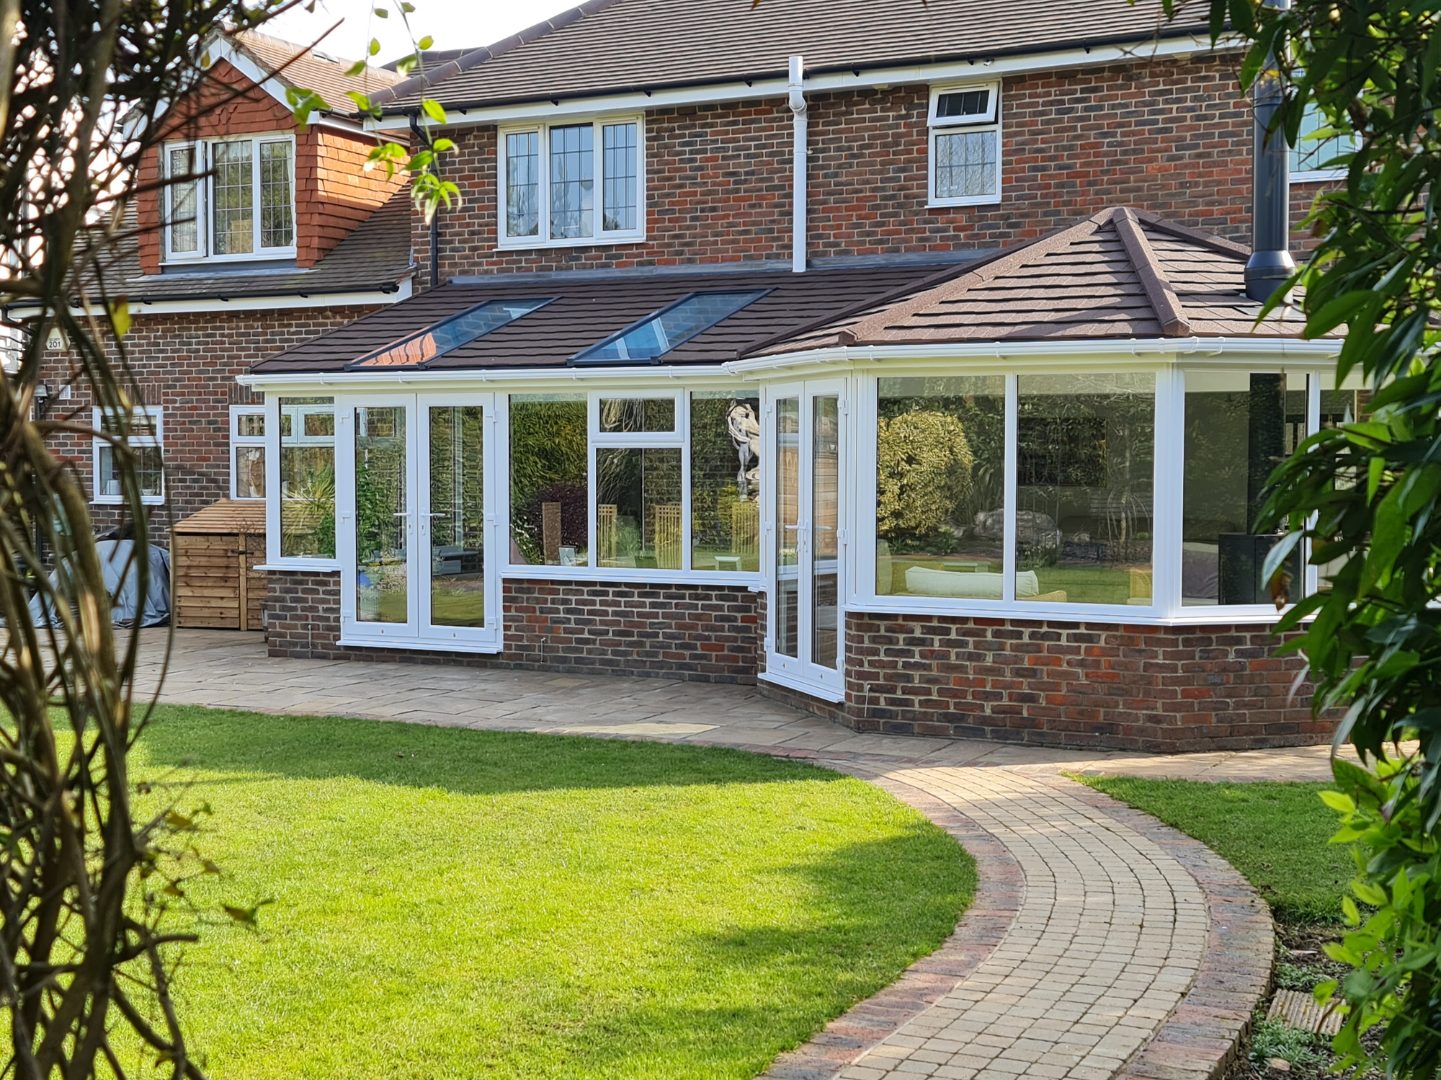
[1270, 264]
[435, 218]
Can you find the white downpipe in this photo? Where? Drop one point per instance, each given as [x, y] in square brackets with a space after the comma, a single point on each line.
[799, 164]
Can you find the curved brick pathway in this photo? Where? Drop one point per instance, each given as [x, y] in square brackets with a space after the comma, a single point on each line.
[1101, 944]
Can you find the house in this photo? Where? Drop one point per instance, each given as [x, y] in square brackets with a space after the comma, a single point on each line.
[902, 359]
[290, 237]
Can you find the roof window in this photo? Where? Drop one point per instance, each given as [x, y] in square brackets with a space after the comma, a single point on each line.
[424, 346]
[658, 334]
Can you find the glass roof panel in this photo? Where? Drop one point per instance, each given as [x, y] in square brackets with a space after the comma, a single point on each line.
[435, 341]
[658, 334]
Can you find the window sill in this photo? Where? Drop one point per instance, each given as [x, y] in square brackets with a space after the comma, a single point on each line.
[740, 578]
[1027, 611]
[201, 261]
[948, 204]
[300, 566]
[422, 644]
[119, 500]
[526, 243]
[1318, 177]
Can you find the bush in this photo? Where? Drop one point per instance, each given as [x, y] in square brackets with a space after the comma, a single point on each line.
[923, 469]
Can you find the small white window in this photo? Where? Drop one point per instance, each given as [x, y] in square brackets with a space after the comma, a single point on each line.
[230, 199]
[965, 150]
[247, 451]
[146, 439]
[1314, 155]
[570, 184]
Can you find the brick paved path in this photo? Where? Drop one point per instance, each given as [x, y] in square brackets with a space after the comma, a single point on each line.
[1101, 944]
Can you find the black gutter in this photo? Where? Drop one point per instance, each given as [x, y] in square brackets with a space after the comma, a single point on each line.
[435, 217]
[879, 69]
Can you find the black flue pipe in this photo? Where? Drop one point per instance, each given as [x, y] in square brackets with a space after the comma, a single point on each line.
[1270, 264]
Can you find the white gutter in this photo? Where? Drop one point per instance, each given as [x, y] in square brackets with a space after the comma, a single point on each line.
[800, 161]
[742, 90]
[572, 374]
[1087, 352]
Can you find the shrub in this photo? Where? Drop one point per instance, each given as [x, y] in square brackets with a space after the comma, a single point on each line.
[923, 469]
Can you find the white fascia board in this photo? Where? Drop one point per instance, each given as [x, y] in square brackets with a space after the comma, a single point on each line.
[243, 303]
[1073, 353]
[552, 379]
[739, 90]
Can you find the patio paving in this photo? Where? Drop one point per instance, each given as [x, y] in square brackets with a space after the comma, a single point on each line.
[1101, 943]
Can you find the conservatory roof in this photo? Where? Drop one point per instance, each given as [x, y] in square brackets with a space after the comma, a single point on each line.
[1120, 274]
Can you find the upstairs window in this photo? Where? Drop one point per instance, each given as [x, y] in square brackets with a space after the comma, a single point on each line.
[570, 184]
[230, 199]
[965, 151]
[1314, 155]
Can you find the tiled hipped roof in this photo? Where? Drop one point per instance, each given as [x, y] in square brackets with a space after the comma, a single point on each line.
[295, 65]
[1120, 274]
[609, 45]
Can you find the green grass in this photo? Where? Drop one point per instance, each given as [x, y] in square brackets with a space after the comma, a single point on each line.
[456, 904]
[1276, 834]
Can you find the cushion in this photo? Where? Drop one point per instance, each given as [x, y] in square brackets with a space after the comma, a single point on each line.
[923, 581]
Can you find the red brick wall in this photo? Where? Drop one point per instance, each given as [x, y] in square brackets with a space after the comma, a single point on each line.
[1170, 136]
[1152, 688]
[186, 365]
[333, 193]
[706, 633]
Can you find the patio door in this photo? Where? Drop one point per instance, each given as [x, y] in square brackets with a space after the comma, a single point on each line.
[417, 537]
[805, 540]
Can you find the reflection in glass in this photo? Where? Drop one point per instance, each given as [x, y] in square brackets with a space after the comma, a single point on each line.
[637, 414]
[1084, 488]
[940, 486]
[638, 519]
[457, 516]
[1238, 427]
[725, 466]
[307, 478]
[788, 509]
[825, 520]
[677, 324]
[549, 516]
[382, 515]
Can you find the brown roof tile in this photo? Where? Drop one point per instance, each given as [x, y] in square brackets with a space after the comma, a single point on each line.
[301, 66]
[610, 45]
[1120, 274]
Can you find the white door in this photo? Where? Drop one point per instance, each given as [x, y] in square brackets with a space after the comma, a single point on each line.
[805, 631]
[416, 537]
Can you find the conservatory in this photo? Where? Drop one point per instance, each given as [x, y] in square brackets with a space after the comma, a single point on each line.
[1013, 498]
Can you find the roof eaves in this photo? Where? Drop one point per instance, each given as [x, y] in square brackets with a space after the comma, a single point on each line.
[1159, 293]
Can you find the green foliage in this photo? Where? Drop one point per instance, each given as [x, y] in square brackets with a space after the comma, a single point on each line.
[1275, 1039]
[1366, 494]
[548, 453]
[455, 904]
[923, 470]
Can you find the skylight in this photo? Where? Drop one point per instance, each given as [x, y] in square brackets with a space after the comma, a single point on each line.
[435, 341]
[658, 334]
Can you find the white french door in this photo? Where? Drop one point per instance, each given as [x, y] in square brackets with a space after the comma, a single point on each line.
[417, 538]
[805, 538]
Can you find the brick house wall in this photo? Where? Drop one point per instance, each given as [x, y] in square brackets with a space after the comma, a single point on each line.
[1077, 684]
[1171, 136]
[333, 192]
[705, 633]
[186, 364]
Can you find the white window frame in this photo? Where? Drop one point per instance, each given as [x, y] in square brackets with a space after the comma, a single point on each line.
[157, 440]
[936, 126]
[542, 238]
[273, 499]
[204, 165]
[237, 440]
[1311, 176]
[202, 211]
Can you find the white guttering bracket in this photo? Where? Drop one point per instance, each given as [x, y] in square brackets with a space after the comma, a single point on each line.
[741, 90]
[1156, 350]
[796, 97]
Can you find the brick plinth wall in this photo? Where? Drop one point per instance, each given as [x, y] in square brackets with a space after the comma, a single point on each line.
[1085, 685]
[705, 633]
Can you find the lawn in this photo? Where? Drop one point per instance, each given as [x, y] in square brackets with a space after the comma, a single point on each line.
[452, 904]
[1276, 834]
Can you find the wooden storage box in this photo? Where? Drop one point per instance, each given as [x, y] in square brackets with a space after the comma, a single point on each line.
[212, 556]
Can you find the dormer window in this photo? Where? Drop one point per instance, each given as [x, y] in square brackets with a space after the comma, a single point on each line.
[965, 136]
[230, 199]
[564, 185]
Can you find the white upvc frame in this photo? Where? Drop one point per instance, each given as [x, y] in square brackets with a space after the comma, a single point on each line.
[204, 159]
[201, 186]
[1305, 143]
[238, 440]
[274, 497]
[938, 126]
[802, 672]
[599, 235]
[156, 416]
[1165, 605]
